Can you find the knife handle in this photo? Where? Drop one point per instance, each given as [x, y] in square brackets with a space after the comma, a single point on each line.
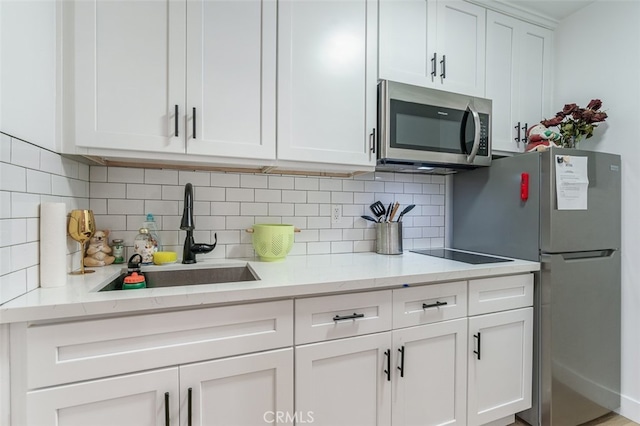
[393, 212]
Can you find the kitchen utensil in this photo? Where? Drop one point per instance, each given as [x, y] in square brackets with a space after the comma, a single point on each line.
[378, 209]
[369, 218]
[405, 211]
[272, 241]
[393, 211]
[389, 238]
[388, 212]
[82, 225]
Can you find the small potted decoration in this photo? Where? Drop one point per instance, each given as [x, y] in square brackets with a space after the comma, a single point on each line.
[575, 123]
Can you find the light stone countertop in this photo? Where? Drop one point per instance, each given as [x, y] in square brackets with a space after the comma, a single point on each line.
[295, 276]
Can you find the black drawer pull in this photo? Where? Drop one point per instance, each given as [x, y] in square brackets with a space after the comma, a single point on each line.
[167, 422]
[175, 121]
[477, 336]
[401, 366]
[387, 353]
[433, 305]
[348, 317]
[189, 408]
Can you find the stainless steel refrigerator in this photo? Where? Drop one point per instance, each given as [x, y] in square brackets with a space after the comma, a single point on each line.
[577, 292]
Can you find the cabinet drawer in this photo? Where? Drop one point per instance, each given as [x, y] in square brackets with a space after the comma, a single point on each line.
[333, 317]
[429, 303]
[500, 293]
[70, 352]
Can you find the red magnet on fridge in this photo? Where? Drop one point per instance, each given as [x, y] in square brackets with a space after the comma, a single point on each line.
[524, 186]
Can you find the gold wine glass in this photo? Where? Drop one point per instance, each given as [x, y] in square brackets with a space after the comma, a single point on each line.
[82, 225]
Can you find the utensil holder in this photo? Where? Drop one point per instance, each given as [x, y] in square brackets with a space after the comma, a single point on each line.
[389, 238]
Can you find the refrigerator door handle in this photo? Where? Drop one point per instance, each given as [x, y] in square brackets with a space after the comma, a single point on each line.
[587, 254]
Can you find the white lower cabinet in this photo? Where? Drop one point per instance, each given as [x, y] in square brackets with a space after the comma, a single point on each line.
[429, 380]
[245, 390]
[500, 365]
[141, 399]
[343, 382]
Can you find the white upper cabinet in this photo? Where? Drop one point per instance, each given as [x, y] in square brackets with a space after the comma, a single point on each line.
[327, 56]
[231, 78]
[439, 44]
[518, 78]
[130, 74]
[168, 76]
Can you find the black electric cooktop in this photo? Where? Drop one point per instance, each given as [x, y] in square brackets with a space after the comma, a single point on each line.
[460, 256]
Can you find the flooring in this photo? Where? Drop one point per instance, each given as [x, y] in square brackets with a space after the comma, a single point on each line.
[611, 419]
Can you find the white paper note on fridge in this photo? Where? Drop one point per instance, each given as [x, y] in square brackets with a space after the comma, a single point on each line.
[572, 182]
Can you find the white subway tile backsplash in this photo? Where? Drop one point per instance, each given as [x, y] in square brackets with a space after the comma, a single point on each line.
[330, 184]
[294, 196]
[225, 180]
[161, 177]
[281, 182]
[115, 206]
[12, 178]
[194, 178]
[24, 205]
[125, 175]
[97, 174]
[144, 192]
[250, 181]
[305, 183]
[240, 194]
[24, 154]
[268, 195]
[5, 148]
[107, 190]
[224, 204]
[306, 209]
[13, 285]
[254, 209]
[38, 182]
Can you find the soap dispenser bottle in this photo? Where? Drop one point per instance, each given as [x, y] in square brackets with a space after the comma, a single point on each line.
[150, 225]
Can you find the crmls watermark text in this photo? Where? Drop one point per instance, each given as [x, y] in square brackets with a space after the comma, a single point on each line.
[298, 417]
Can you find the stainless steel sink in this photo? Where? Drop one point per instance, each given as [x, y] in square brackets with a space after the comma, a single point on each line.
[189, 276]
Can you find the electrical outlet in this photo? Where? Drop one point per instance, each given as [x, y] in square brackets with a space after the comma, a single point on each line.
[336, 213]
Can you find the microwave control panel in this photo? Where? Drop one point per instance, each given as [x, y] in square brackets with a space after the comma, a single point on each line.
[483, 149]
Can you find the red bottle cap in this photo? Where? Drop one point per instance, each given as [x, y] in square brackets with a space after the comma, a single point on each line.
[134, 278]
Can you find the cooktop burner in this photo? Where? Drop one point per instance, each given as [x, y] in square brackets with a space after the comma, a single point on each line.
[459, 256]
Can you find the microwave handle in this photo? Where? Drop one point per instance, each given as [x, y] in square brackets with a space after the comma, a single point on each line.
[476, 133]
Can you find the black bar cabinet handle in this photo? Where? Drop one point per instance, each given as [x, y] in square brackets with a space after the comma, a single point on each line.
[347, 317]
[194, 123]
[387, 353]
[189, 407]
[372, 141]
[517, 127]
[401, 366]
[166, 409]
[175, 122]
[443, 63]
[433, 65]
[433, 305]
[525, 139]
[478, 336]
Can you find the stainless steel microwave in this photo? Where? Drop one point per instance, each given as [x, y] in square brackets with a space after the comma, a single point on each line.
[422, 128]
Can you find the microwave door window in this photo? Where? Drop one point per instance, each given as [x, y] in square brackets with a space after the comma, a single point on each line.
[423, 127]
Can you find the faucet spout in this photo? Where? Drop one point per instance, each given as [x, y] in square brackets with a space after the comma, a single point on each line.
[191, 248]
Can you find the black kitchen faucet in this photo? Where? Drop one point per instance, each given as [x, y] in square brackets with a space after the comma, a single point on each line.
[187, 224]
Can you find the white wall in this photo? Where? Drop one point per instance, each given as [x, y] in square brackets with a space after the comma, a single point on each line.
[597, 55]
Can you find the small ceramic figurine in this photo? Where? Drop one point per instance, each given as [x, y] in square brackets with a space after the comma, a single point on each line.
[99, 252]
[541, 138]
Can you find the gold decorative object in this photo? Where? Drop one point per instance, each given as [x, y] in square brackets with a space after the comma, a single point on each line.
[82, 225]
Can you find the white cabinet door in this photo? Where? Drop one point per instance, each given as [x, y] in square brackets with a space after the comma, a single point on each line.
[460, 47]
[500, 365]
[327, 55]
[343, 382]
[130, 74]
[245, 390]
[518, 78]
[430, 374]
[131, 400]
[433, 44]
[231, 78]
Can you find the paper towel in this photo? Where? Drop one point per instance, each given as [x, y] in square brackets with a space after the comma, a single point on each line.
[53, 244]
